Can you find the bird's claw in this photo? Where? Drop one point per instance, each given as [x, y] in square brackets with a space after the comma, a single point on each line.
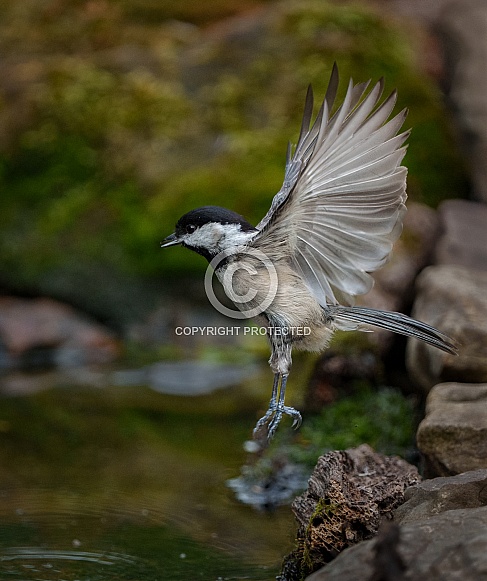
[263, 422]
[297, 419]
[276, 415]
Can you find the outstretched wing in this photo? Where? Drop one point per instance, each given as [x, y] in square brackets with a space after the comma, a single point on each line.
[341, 206]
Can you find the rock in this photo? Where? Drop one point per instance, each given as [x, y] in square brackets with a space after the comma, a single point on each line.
[453, 299]
[453, 435]
[348, 495]
[437, 534]
[463, 30]
[43, 332]
[452, 47]
[437, 495]
[445, 547]
[464, 236]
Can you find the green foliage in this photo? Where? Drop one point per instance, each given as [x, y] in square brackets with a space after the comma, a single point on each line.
[74, 177]
[383, 418]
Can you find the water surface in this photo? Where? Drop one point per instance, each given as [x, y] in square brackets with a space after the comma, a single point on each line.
[110, 482]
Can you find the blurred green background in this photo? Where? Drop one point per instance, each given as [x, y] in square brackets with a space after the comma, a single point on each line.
[117, 116]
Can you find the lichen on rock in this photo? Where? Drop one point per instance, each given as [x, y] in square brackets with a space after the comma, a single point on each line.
[349, 493]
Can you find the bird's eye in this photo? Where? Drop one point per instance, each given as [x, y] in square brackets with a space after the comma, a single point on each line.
[190, 228]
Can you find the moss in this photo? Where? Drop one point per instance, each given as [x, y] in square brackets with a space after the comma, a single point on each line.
[323, 511]
[382, 418]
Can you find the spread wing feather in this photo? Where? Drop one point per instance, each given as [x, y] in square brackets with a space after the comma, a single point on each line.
[341, 205]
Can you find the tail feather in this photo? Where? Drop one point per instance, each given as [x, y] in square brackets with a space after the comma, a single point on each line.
[391, 321]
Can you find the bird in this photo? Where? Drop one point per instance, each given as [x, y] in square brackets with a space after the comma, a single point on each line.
[333, 223]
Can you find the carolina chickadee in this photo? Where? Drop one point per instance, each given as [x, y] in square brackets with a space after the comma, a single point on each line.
[334, 221]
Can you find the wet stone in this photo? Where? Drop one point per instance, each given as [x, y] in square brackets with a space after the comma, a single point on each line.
[43, 332]
[451, 298]
[438, 534]
[453, 435]
[437, 495]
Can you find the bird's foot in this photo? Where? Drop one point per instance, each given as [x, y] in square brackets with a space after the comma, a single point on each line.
[262, 423]
[276, 415]
[296, 416]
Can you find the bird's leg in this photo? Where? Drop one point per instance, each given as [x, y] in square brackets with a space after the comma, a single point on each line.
[280, 362]
[272, 406]
[283, 409]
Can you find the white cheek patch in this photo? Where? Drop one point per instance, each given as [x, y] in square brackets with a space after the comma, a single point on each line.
[216, 237]
[207, 236]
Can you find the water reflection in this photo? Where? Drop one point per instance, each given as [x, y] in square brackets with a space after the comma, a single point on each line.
[127, 483]
[187, 378]
[99, 542]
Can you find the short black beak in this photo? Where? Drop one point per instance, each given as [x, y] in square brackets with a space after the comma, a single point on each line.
[171, 240]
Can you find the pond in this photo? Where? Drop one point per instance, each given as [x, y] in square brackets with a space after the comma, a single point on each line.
[125, 482]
